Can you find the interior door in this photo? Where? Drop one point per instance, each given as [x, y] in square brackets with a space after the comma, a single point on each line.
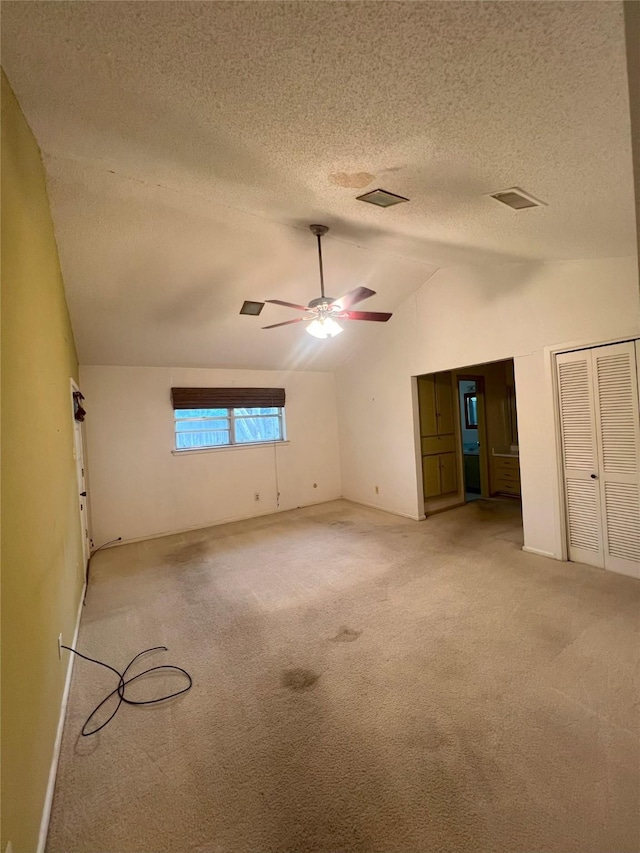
[580, 458]
[618, 427]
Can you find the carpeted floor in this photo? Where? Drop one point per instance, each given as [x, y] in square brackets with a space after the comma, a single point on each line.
[363, 683]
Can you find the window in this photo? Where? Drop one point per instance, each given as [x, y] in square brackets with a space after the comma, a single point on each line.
[221, 417]
[198, 428]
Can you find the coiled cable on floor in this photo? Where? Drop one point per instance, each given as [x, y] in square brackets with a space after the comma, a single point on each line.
[123, 682]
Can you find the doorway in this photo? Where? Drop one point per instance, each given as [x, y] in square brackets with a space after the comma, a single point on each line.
[468, 440]
[472, 433]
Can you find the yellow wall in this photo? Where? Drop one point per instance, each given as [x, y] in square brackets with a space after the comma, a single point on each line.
[41, 548]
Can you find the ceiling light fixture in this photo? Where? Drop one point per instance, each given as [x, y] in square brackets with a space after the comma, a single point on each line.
[381, 198]
[324, 327]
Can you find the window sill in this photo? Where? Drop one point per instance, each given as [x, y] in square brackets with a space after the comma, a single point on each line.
[226, 447]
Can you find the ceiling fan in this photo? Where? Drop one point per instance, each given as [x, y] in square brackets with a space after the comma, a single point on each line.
[322, 313]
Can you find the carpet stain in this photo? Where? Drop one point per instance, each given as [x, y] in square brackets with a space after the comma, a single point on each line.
[191, 551]
[299, 679]
[346, 635]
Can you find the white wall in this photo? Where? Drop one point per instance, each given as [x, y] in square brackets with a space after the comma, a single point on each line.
[465, 316]
[139, 488]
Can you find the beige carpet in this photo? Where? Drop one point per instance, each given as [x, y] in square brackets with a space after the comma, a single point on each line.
[362, 682]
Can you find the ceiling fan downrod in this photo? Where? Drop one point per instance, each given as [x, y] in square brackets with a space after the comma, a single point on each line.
[319, 231]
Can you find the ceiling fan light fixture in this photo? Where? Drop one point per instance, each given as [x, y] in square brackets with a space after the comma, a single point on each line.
[319, 313]
[324, 327]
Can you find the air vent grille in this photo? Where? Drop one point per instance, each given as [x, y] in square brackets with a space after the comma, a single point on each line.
[251, 308]
[517, 199]
[382, 198]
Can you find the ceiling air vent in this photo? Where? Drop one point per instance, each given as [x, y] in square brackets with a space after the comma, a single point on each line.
[517, 199]
[381, 198]
[251, 308]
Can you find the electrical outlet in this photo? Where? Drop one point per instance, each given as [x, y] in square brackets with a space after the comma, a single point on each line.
[256, 497]
[377, 490]
[60, 646]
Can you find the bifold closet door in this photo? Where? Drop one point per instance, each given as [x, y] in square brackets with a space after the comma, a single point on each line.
[580, 458]
[618, 430]
[600, 427]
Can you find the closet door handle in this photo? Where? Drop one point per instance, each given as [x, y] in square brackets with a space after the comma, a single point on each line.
[594, 476]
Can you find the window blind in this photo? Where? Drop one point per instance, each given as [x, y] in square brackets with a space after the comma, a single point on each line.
[226, 398]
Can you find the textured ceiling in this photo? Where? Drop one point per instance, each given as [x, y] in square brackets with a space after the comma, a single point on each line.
[188, 145]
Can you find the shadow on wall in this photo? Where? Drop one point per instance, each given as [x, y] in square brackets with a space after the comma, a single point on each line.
[435, 253]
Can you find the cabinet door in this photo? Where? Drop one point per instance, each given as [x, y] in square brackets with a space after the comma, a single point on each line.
[431, 476]
[448, 473]
[427, 405]
[444, 403]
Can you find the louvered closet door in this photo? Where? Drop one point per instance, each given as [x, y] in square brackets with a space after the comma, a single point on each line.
[618, 431]
[580, 458]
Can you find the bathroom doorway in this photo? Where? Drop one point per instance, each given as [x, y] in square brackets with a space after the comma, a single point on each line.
[472, 434]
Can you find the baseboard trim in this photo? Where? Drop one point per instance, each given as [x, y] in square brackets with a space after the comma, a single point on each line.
[218, 523]
[53, 770]
[384, 509]
[539, 553]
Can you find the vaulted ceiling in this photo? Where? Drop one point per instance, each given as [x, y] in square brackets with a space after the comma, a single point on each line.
[188, 145]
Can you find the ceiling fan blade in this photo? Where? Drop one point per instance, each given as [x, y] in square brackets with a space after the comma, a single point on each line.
[377, 316]
[286, 323]
[286, 304]
[354, 296]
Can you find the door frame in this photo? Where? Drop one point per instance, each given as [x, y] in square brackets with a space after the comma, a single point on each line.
[79, 448]
[552, 373]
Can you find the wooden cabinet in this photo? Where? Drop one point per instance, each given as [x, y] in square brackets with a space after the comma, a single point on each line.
[448, 473]
[506, 475]
[437, 432]
[444, 403]
[439, 474]
[427, 404]
[431, 476]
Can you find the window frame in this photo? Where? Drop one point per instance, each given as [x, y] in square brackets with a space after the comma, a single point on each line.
[231, 418]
